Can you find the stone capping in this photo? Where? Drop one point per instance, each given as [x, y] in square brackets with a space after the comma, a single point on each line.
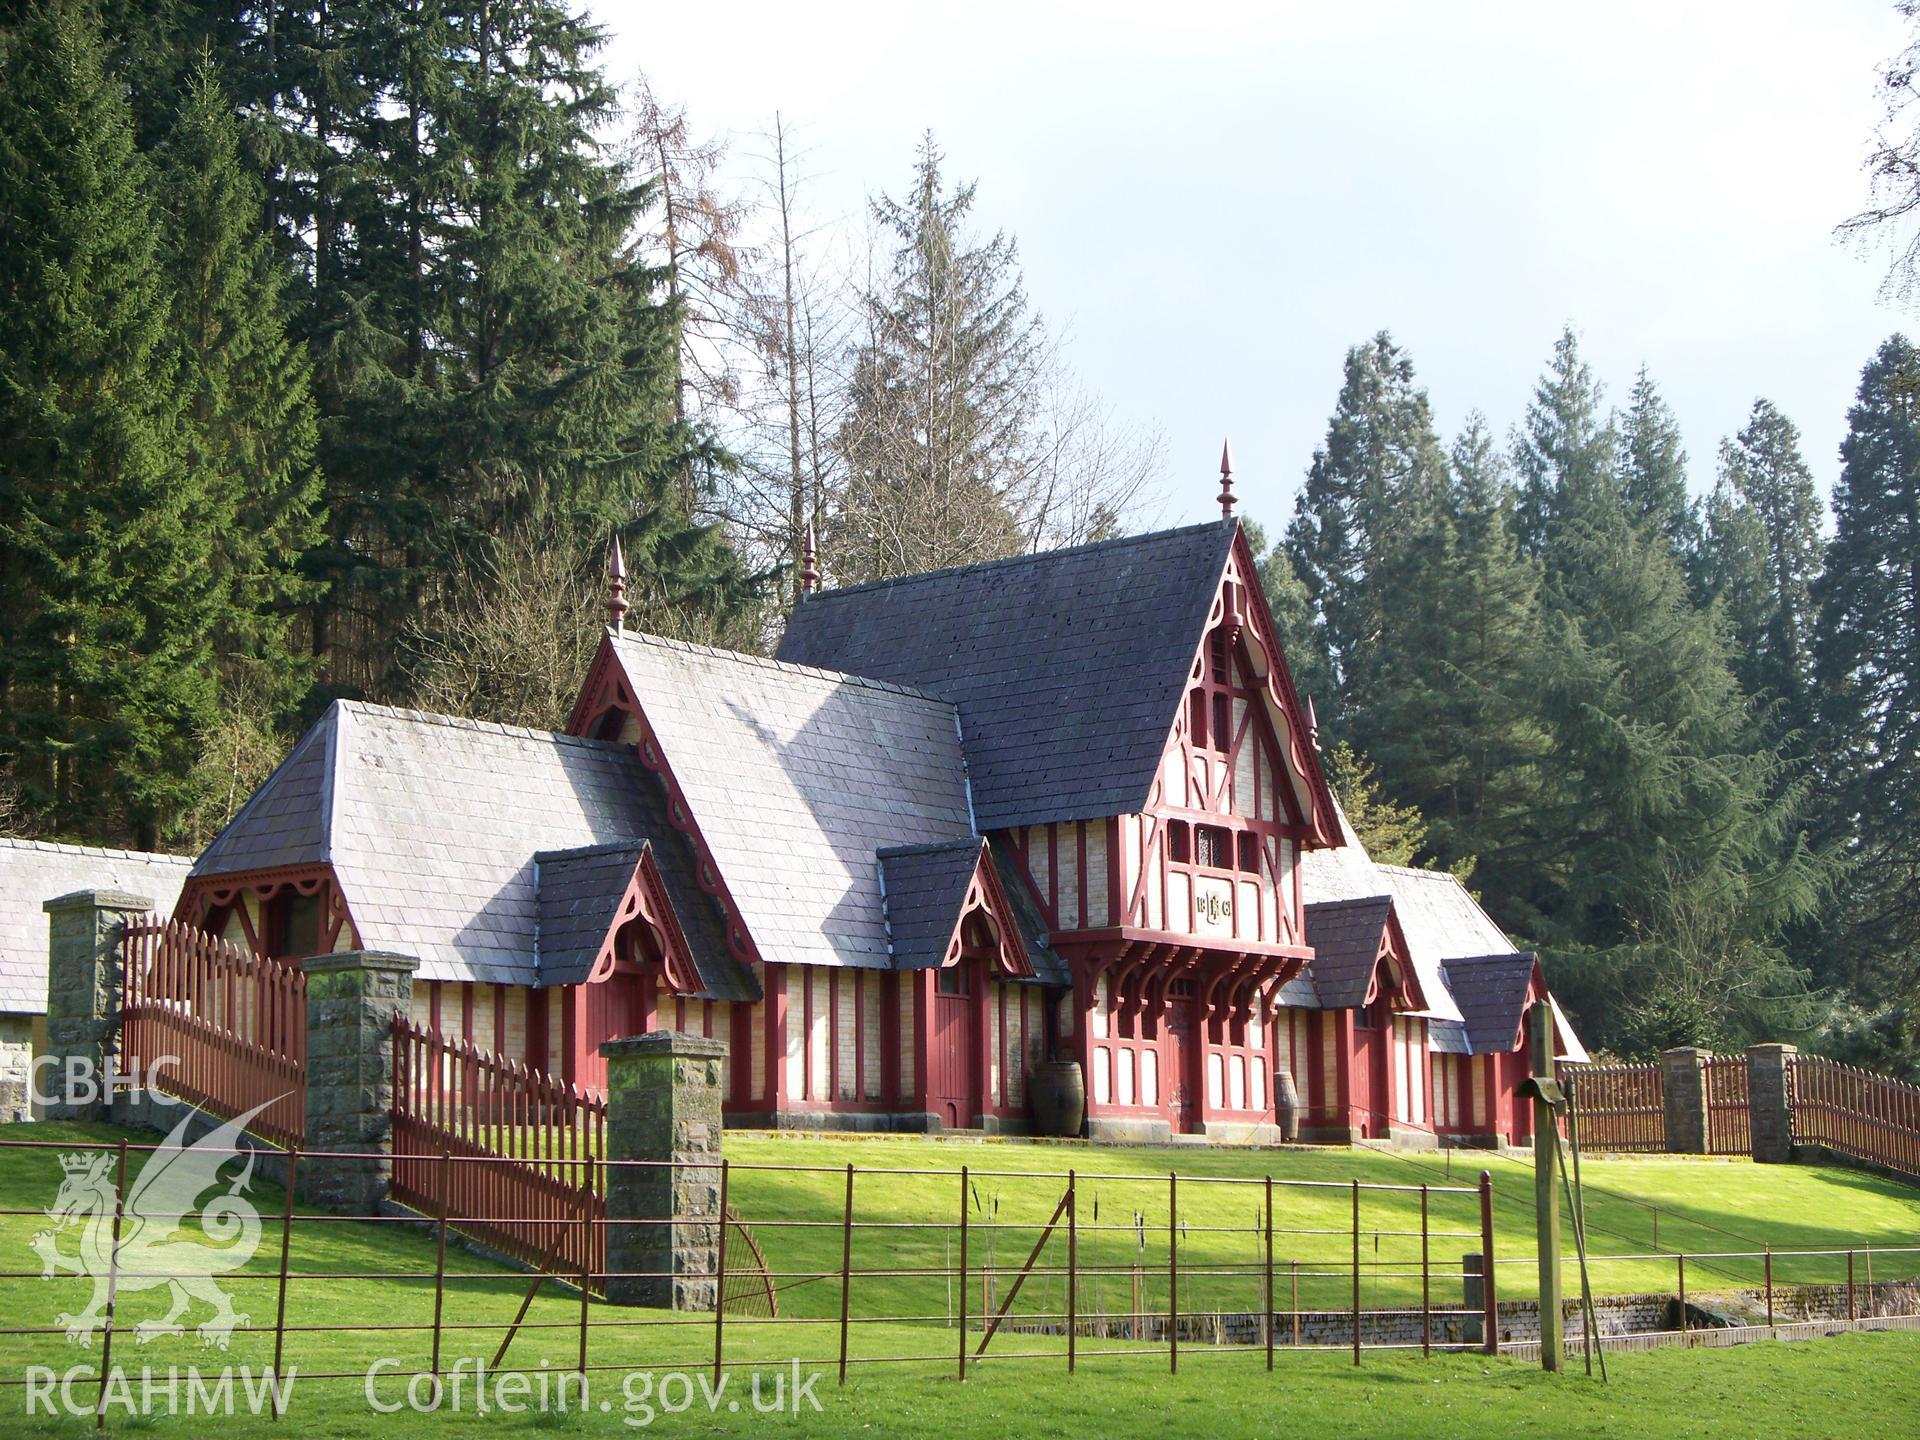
[336, 961]
[675, 1043]
[98, 900]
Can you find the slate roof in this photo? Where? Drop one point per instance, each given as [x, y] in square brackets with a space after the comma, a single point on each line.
[1491, 991]
[797, 778]
[33, 872]
[1067, 667]
[431, 825]
[1049, 965]
[1345, 935]
[925, 888]
[580, 893]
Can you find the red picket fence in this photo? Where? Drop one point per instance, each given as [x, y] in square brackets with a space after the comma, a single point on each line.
[230, 1025]
[1729, 1123]
[1621, 1107]
[454, 1104]
[1855, 1112]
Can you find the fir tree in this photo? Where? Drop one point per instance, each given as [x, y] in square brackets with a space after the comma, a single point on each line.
[108, 591]
[1380, 467]
[1867, 669]
[1564, 448]
[250, 425]
[1653, 466]
[1731, 573]
[1763, 464]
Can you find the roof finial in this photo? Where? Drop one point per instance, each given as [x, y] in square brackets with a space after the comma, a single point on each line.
[616, 585]
[810, 564]
[1313, 725]
[1226, 480]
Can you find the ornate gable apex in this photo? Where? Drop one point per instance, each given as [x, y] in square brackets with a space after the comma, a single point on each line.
[1240, 606]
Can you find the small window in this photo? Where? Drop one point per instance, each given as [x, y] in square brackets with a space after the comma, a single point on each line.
[1178, 847]
[299, 934]
[1249, 851]
[1197, 718]
[1219, 657]
[1212, 846]
[1222, 726]
[951, 980]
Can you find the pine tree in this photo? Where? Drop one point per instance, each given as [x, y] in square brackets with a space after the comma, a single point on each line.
[1653, 467]
[108, 592]
[1731, 572]
[1867, 674]
[1380, 467]
[1564, 448]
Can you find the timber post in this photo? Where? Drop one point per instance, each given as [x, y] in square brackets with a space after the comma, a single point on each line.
[352, 997]
[664, 1217]
[1683, 1086]
[1545, 1091]
[1770, 1102]
[83, 999]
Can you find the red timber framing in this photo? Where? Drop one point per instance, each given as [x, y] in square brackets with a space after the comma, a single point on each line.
[286, 914]
[1180, 922]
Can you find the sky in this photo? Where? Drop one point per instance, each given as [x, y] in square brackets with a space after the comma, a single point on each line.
[1213, 203]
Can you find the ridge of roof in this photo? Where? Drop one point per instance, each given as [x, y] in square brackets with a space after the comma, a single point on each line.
[1117, 542]
[787, 667]
[1380, 899]
[458, 722]
[934, 847]
[103, 852]
[584, 852]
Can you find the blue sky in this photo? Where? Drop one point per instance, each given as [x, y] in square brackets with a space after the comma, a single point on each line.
[1214, 202]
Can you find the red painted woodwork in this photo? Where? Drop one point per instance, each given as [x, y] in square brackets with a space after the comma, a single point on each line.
[1179, 1061]
[954, 1044]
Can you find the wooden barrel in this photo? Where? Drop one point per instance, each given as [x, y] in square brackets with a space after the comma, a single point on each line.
[1286, 1105]
[1059, 1095]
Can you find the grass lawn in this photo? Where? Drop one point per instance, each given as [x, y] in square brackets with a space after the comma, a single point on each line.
[1817, 1388]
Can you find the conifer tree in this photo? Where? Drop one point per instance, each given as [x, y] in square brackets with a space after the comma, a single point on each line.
[1564, 447]
[250, 427]
[1731, 572]
[1653, 466]
[1867, 669]
[1293, 617]
[108, 592]
[1764, 465]
[1380, 466]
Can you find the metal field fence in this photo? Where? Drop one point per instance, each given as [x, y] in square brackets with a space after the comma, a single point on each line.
[837, 1268]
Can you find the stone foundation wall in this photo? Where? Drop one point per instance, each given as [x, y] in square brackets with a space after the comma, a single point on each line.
[16, 1067]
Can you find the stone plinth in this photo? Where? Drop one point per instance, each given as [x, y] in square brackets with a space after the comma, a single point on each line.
[1684, 1085]
[83, 997]
[352, 997]
[663, 1221]
[1770, 1102]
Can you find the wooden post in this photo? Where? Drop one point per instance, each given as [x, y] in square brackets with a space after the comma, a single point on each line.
[963, 1272]
[1489, 1302]
[1293, 1271]
[586, 1262]
[1680, 1269]
[440, 1252]
[1546, 1187]
[1769, 1281]
[1173, 1273]
[1852, 1313]
[1356, 1272]
[286, 1245]
[846, 1272]
[1426, 1281]
[1073, 1267]
[113, 1289]
[1269, 1263]
[720, 1283]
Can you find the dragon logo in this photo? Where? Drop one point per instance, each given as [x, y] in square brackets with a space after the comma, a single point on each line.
[157, 1248]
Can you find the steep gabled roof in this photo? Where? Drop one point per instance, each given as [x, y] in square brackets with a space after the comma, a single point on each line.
[925, 888]
[795, 778]
[1491, 991]
[33, 872]
[1345, 935]
[1067, 667]
[431, 825]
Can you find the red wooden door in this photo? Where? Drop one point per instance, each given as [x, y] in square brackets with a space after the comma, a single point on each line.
[951, 1048]
[1367, 1078]
[1180, 1054]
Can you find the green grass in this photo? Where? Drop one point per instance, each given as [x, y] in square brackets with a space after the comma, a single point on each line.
[1812, 1388]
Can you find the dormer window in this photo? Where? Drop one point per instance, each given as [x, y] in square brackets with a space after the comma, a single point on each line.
[1179, 841]
[1212, 846]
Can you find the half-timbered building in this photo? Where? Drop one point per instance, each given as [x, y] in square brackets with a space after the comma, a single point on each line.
[1062, 806]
